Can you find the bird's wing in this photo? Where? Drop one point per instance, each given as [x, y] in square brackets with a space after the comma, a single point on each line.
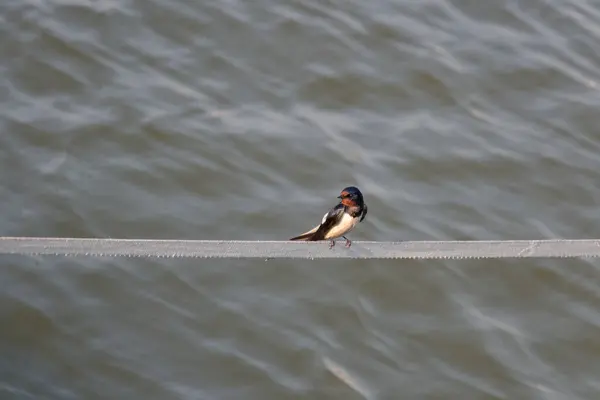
[364, 214]
[329, 219]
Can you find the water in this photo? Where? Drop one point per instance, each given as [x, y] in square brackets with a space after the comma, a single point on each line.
[243, 120]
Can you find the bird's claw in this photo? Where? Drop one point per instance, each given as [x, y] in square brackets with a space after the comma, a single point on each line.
[348, 243]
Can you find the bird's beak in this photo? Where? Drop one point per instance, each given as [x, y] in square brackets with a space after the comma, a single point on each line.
[340, 196]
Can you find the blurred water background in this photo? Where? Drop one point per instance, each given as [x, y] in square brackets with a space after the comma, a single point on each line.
[237, 119]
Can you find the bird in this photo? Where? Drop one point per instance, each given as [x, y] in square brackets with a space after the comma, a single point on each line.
[340, 220]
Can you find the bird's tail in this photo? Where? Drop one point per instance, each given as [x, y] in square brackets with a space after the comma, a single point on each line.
[308, 236]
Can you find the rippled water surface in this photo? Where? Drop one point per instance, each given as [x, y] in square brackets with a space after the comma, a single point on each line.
[234, 119]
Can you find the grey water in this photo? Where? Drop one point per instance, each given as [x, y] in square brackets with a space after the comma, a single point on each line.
[243, 120]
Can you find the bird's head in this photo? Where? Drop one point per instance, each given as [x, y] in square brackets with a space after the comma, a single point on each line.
[351, 196]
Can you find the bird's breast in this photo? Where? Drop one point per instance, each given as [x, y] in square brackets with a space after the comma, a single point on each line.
[344, 225]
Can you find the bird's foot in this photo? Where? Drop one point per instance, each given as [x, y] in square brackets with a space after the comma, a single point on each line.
[331, 244]
[348, 242]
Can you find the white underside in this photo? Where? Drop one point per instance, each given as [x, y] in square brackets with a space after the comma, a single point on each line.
[346, 224]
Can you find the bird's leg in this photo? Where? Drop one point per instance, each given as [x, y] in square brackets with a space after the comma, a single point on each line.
[331, 243]
[348, 242]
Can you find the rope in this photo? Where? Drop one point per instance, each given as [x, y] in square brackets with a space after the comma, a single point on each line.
[299, 250]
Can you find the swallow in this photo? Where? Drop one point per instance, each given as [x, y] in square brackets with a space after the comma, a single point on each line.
[340, 220]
